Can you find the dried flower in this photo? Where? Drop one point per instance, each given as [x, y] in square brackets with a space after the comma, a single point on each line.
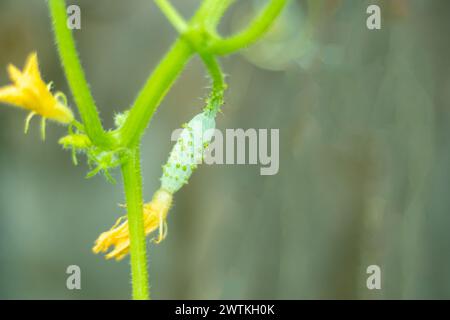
[155, 214]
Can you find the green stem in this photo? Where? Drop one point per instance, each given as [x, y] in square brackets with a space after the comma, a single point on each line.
[211, 11]
[154, 91]
[172, 15]
[216, 98]
[75, 75]
[173, 63]
[251, 33]
[132, 179]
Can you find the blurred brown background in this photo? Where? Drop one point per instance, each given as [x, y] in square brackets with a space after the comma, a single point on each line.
[364, 157]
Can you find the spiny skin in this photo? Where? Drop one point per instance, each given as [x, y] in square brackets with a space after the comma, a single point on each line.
[29, 91]
[187, 153]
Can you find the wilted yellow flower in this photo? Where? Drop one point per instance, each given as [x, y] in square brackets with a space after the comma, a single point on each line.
[30, 92]
[155, 214]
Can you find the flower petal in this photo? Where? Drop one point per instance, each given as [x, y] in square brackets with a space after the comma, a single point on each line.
[118, 237]
[11, 95]
[32, 66]
[14, 74]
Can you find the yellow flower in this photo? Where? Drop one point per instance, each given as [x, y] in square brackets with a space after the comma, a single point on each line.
[29, 91]
[155, 214]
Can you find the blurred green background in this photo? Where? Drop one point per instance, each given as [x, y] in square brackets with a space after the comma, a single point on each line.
[364, 157]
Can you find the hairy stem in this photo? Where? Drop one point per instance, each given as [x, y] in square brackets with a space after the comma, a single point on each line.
[173, 63]
[216, 98]
[75, 75]
[131, 171]
[154, 91]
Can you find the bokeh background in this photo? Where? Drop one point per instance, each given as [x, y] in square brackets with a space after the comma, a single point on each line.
[364, 157]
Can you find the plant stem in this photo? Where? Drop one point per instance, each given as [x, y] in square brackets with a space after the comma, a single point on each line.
[172, 15]
[216, 97]
[131, 171]
[211, 11]
[154, 91]
[173, 63]
[251, 33]
[75, 75]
